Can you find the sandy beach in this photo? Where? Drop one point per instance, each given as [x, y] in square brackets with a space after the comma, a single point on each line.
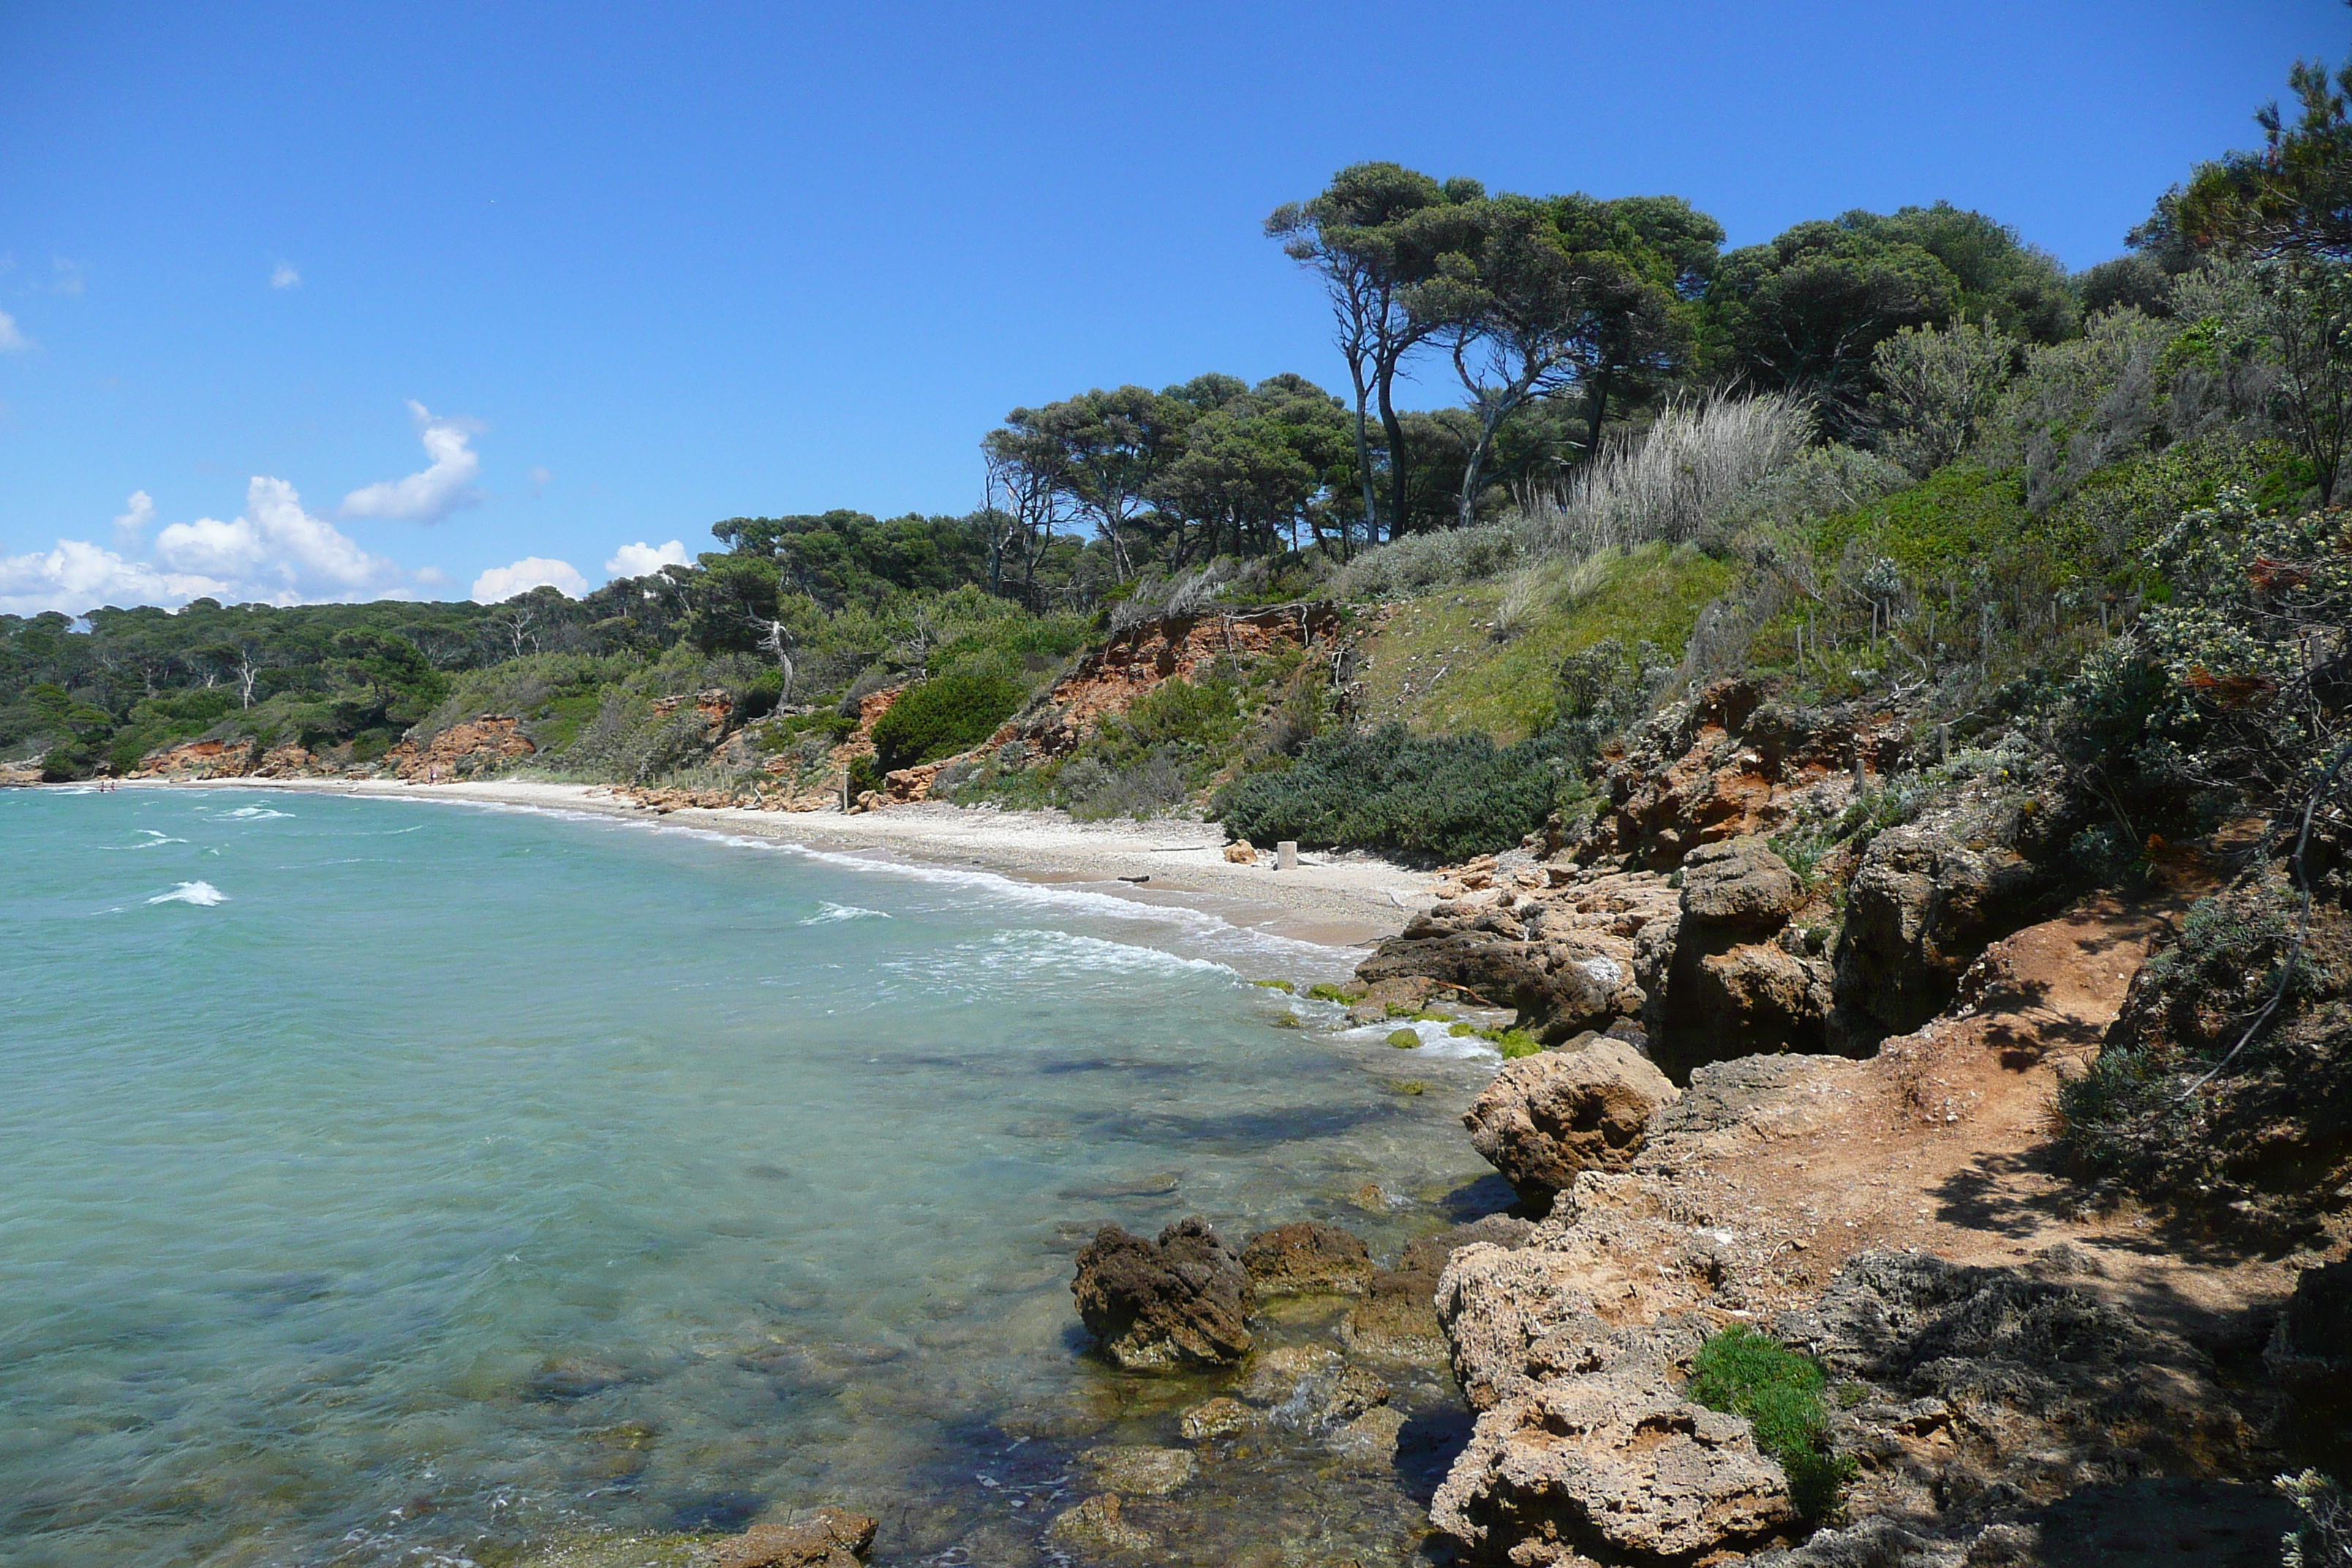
[1335, 900]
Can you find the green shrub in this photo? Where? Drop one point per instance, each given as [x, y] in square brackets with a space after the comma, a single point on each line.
[1515, 1043]
[946, 714]
[1324, 991]
[1404, 1039]
[1780, 1392]
[1444, 798]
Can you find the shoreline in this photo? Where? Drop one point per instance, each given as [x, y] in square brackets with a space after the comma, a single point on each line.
[1343, 903]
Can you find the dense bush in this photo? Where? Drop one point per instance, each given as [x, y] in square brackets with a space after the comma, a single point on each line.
[947, 713]
[1433, 798]
[1780, 1392]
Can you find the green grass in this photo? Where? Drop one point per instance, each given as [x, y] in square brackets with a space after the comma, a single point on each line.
[1505, 688]
[1780, 1392]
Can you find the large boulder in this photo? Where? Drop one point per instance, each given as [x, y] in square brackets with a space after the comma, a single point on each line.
[1182, 1299]
[1613, 1465]
[1927, 897]
[1729, 997]
[1546, 1117]
[1306, 1259]
[2315, 1329]
[1740, 883]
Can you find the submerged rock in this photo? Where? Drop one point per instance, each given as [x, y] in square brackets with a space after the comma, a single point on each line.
[1218, 1418]
[1397, 1320]
[1546, 1117]
[1312, 1389]
[827, 1538]
[1370, 1440]
[1308, 1260]
[1140, 1471]
[1183, 1298]
[1096, 1524]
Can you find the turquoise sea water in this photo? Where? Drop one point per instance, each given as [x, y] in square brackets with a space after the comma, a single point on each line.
[388, 1182]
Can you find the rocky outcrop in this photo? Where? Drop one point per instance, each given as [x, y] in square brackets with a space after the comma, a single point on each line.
[1152, 1305]
[224, 759]
[825, 1538]
[1741, 981]
[1738, 884]
[1927, 898]
[1570, 948]
[1584, 1107]
[713, 707]
[1308, 1260]
[288, 760]
[1974, 1403]
[479, 745]
[1611, 1463]
[1733, 762]
[1139, 658]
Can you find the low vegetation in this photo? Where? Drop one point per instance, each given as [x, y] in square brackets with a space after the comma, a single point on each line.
[1745, 1373]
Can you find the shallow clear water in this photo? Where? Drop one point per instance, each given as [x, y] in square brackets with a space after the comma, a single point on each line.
[398, 1182]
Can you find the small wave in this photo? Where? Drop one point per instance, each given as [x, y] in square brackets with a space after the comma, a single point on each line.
[255, 814]
[203, 894]
[1067, 951]
[154, 839]
[828, 913]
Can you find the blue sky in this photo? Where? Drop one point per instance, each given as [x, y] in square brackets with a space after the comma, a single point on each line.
[376, 299]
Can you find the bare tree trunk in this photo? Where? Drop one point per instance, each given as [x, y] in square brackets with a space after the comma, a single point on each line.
[1396, 429]
[1363, 459]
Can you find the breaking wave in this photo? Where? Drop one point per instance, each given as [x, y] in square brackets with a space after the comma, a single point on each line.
[203, 894]
[828, 913]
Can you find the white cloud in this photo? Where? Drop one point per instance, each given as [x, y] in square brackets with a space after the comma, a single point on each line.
[500, 584]
[130, 527]
[11, 338]
[285, 275]
[542, 476]
[79, 576]
[644, 559]
[436, 491]
[277, 551]
[68, 276]
[431, 576]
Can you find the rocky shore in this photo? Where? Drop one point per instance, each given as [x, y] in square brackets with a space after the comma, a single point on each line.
[1790, 1012]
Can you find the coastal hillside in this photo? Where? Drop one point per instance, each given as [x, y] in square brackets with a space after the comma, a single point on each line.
[1870, 714]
